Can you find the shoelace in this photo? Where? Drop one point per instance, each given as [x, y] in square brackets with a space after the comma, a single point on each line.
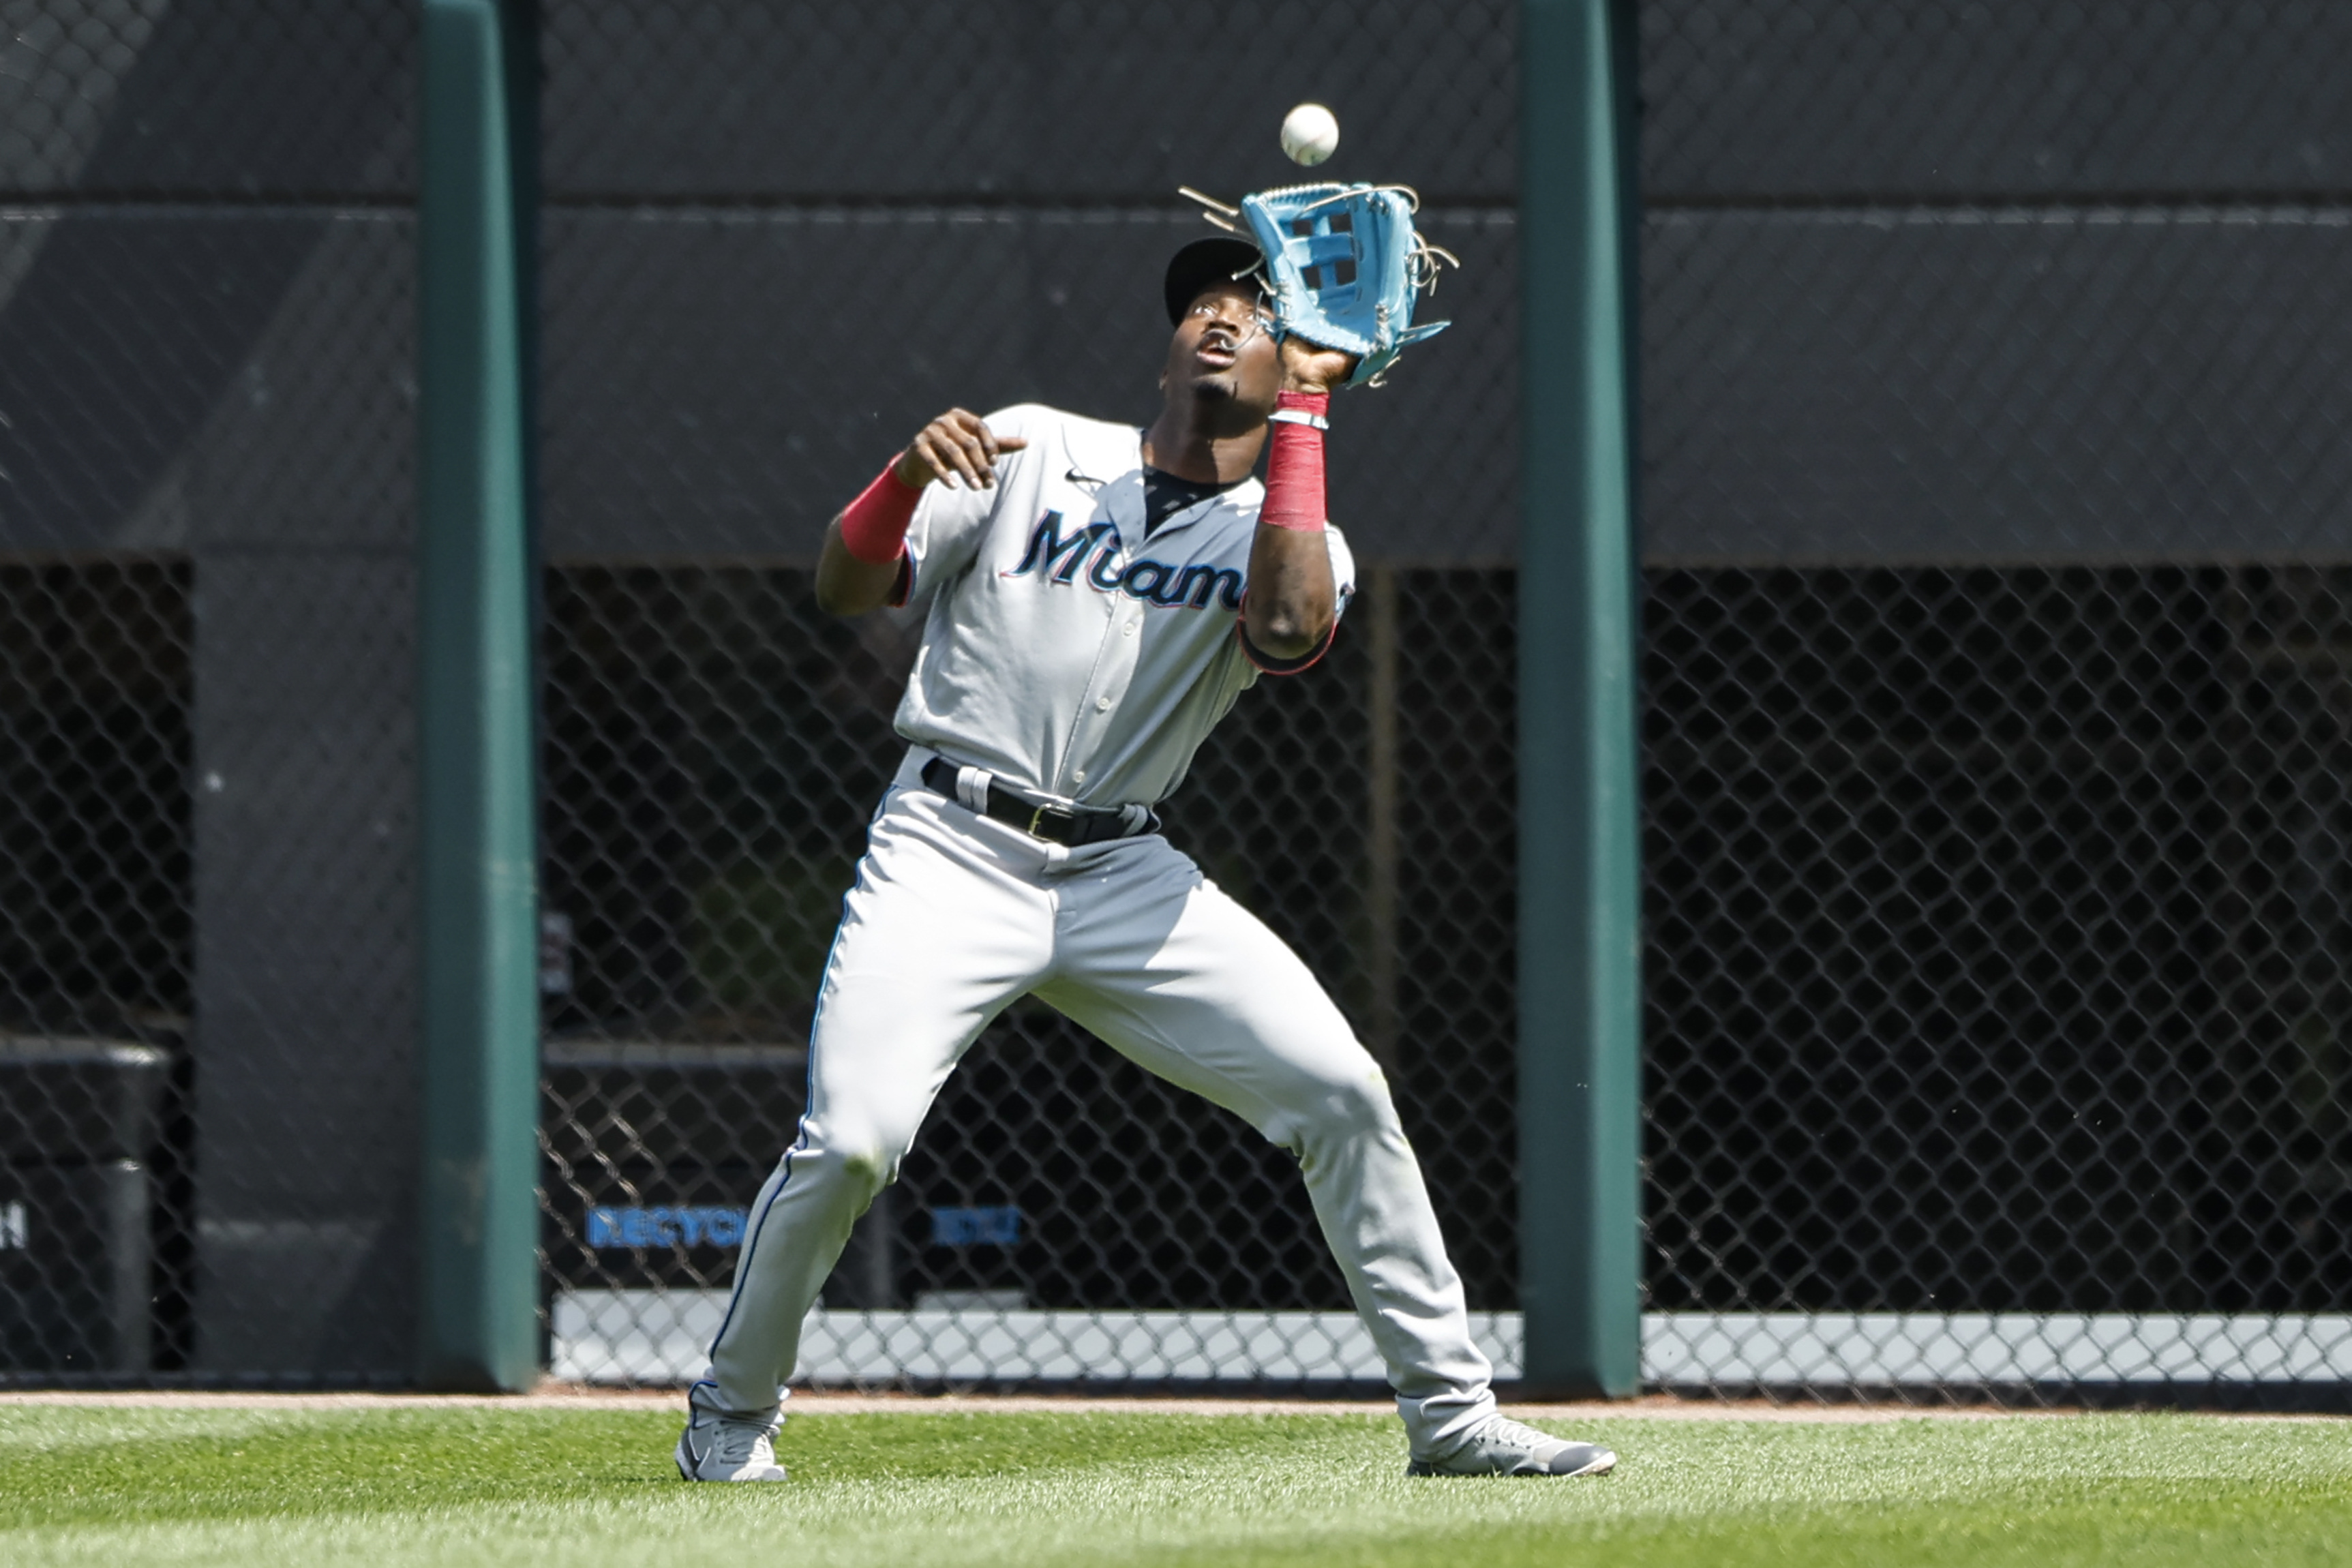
[1518, 1433]
[737, 1443]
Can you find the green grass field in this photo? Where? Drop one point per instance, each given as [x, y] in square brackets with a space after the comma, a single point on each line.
[257, 1488]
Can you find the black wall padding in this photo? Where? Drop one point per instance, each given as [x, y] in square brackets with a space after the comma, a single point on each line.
[1847, 99]
[1020, 100]
[2018, 385]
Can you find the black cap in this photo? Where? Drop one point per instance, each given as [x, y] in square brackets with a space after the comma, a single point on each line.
[1213, 259]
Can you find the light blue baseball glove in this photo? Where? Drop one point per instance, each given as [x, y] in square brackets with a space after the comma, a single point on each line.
[1343, 266]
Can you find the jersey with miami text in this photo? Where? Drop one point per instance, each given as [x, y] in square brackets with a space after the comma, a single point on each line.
[1064, 651]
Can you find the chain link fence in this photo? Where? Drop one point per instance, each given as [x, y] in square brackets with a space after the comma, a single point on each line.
[1997, 959]
[205, 322]
[1995, 509]
[1995, 611]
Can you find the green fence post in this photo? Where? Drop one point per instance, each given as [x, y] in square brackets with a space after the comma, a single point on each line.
[1579, 865]
[478, 1326]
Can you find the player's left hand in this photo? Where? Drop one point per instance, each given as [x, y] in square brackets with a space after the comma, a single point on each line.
[1311, 367]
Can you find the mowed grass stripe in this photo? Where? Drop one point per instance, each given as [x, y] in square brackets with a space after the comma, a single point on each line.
[469, 1485]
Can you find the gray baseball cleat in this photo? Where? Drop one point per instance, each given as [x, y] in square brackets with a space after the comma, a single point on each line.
[1502, 1447]
[717, 1446]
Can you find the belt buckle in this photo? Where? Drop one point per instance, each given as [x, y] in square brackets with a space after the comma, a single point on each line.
[1045, 809]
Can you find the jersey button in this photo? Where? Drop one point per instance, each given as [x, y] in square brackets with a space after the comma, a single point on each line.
[1102, 704]
[1128, 630]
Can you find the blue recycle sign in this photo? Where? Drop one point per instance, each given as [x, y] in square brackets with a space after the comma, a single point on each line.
[637, 1227]
[976, 1227]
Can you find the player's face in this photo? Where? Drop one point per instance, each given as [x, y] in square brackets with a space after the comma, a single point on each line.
[1223, 350]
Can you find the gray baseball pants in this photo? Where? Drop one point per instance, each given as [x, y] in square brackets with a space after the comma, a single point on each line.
[955, 915]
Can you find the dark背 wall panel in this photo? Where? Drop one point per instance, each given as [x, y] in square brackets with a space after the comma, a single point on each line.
[298, 498]
[2014, 383]
[305, 995]
[150, 360]
[1120, 101]
[243, 97]
[1773, 99]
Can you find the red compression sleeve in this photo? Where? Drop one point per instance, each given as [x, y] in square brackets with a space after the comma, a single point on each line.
[1293, 474]
[874, 528]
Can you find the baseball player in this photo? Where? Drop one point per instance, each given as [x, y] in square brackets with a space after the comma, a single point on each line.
[1097, 596]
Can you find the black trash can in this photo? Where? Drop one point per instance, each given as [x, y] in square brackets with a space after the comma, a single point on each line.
[79, 1120]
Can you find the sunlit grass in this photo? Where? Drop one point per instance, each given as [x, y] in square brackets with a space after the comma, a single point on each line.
[444, 1484]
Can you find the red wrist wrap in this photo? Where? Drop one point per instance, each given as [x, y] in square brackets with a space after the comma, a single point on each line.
[874, 527]
[1293, 474]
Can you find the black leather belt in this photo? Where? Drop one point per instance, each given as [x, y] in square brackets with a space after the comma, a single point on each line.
[1069, 826]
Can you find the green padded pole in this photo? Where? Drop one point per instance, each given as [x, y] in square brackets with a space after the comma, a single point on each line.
[478, 1326]
[1579, 865]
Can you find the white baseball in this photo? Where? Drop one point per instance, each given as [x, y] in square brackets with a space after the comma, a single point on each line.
[1309, 134]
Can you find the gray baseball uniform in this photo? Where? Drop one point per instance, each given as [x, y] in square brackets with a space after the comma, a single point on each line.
[1076, 658]
[1065, 652]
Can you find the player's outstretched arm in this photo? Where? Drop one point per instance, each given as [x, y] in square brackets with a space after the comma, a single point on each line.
[866, 546]
[1292, 598]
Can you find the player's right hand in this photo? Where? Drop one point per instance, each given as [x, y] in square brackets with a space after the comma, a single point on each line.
[958, 449]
